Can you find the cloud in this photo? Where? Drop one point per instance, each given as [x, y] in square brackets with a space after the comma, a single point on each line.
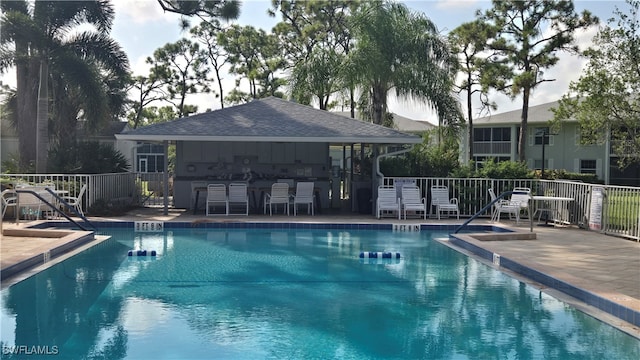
[142, 11]
[455, 4]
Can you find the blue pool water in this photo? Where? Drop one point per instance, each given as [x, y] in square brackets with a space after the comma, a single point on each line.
[291, 294]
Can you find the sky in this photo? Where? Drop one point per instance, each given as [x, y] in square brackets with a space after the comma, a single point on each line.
[141, 27]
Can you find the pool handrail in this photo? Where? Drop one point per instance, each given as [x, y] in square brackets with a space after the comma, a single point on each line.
[488, 206]
[53, 207]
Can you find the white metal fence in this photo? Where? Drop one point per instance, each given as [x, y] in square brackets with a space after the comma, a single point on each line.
[119, 188]
[620, 210]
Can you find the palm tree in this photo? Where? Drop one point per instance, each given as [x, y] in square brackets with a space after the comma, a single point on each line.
[401, 50]
[42, 41]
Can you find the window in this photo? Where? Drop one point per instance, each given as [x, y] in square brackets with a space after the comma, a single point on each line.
[542, 134]
[150, 158]
[492, 140]
[501, 134]
[482, 134]
[588, 166]
[492, 134]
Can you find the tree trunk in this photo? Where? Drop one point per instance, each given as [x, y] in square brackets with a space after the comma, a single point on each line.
[470, 115]
[220, 86]
[522, 140]
[378, 103]
[42, 122]
[27, 95]
[352, 102]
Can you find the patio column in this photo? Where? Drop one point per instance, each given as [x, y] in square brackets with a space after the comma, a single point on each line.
[166, 176]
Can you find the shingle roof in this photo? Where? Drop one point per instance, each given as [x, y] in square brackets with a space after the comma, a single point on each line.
[403, 123]
[537, 114]
[270, 119]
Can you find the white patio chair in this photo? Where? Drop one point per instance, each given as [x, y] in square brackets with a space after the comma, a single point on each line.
[303, 196]
[217, 195]
[50, 212]
[411, 201]
[387, 201]
[441, 201]
[76, 201]
[520, 198]
[279, 195]
[29, 205]
[238, 194]
[503, 206]
[9, 199]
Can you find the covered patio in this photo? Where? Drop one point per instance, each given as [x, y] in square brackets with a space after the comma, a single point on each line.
[270, 140]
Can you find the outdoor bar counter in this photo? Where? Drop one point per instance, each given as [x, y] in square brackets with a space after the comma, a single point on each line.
[186, 189]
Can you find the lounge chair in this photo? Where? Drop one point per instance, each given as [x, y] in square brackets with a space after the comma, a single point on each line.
[412, 201]
[279, 195]
[303, 196]
[503, 206]
[388, 201]
[442, 203]
[238, 194]
[217, 195]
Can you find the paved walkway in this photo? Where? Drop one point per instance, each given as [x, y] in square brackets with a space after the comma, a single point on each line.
[605, 266]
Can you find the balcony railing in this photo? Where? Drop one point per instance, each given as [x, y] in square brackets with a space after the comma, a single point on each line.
[492, 147]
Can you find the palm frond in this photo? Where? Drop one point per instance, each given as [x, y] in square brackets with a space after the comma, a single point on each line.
[84, 76]
[102, 49]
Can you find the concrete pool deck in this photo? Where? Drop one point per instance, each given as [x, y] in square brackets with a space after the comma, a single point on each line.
[605, 266]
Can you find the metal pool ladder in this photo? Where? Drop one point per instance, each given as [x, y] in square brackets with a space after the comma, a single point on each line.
[488, 206]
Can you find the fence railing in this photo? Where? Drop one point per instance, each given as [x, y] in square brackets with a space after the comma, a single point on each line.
[118, 188]
[620, 211]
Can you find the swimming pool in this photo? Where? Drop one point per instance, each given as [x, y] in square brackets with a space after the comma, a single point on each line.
[295, 294]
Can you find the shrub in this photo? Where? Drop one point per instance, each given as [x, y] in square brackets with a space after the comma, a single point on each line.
[557, 174]
[86, 157]
[102, 207]
[505, 170]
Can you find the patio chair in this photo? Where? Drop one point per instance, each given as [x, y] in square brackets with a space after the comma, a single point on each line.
[279, 195]
[238, 194]
[29, 205]
[388, 200]
[9, 199]
[47, 211]
[503, 206]
[217, 195]
[76, 201]
[442, 203]
[520, 198]
[411, 201]
[303, 196]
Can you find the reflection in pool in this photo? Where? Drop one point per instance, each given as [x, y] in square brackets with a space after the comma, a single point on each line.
[296, 294]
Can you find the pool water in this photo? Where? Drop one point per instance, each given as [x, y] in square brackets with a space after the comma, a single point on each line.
[291, 294]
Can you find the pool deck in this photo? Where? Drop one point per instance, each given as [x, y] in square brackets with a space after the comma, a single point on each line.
[604, 267]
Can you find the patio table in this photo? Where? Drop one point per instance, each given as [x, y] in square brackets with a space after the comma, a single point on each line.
[552, 207]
